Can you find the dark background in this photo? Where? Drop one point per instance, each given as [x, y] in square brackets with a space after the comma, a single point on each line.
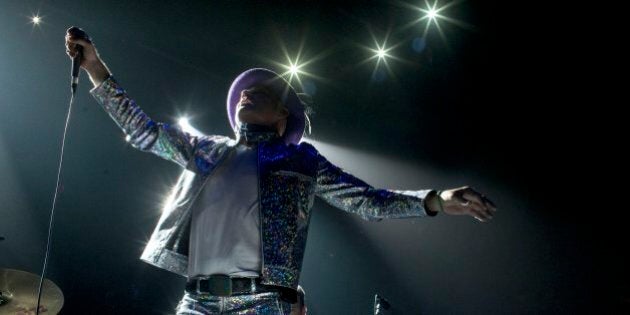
[480, 106]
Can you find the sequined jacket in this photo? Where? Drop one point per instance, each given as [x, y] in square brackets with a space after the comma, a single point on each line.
[289, 178]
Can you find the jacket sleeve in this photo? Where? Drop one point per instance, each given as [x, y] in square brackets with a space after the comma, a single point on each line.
[346, 192]
[164, 140]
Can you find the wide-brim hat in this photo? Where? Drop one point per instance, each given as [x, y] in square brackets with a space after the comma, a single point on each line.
[275, 83]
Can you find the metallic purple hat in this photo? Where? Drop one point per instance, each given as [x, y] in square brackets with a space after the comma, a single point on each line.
[275, 83]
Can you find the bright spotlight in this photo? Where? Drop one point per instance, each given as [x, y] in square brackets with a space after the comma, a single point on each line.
[381, 53]
[296, 66]
[294, 69]
[433, 14]
[36, 19]
[183, 121]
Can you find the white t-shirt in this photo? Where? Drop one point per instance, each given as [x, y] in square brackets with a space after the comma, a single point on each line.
[225, 231]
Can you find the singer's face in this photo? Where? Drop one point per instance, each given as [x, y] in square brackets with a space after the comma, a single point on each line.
[260, 106]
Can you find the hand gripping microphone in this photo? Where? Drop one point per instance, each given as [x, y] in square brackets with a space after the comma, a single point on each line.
[76, 60]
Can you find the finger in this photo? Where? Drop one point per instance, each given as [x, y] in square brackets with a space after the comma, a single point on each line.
[70, 45]
[75, 31]
[78, 41]
[479, 215]
[473, 196]
[479, 206]
[491, 204]
[480, 209]
[489, 210]
[478, 218]
[71, 51]
[485, 207]
[489, 215]
[461, 200]
[490, 207]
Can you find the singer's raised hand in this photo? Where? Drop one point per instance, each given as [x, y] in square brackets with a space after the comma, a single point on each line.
[91, 61]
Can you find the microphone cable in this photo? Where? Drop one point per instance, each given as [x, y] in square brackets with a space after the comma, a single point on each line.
[52, 211]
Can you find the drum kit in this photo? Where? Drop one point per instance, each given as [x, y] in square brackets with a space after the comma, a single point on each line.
[18, 294]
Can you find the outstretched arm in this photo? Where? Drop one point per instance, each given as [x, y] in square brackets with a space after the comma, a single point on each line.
[164, 140]
[353, 195]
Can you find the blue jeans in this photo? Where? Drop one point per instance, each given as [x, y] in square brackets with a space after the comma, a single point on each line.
[265, 303]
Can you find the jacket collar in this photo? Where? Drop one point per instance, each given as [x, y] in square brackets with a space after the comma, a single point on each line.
[256, 133]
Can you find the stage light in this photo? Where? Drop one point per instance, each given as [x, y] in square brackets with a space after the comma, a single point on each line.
[435, 15]
[293, 69]
[381, 53]
[296, 65]
[36, 20]
[184, 123]
[431, 14]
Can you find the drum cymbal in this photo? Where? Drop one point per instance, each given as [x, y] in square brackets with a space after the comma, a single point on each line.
[18, 293]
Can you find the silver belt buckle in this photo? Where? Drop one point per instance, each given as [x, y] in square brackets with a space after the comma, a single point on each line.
[219, 285]
[252, 285]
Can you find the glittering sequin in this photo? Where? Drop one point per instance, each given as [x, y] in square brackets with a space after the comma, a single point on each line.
[268, 303]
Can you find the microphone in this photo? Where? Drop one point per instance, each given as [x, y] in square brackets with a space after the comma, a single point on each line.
[76, 65]
[76, 60]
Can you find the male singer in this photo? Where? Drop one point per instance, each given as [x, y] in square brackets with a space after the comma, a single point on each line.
[236, 222]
